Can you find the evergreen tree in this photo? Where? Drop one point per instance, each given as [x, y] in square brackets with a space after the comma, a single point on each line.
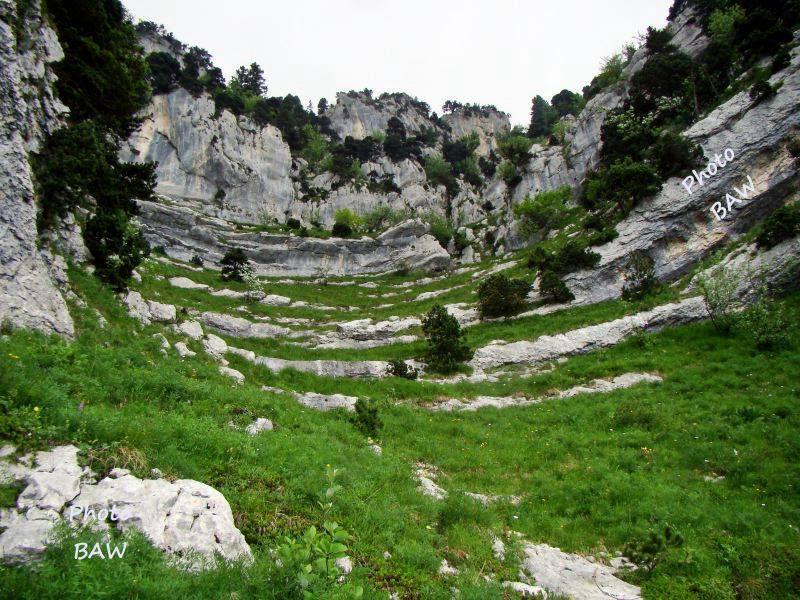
[250, 80]
[543, 116]
[322, 106]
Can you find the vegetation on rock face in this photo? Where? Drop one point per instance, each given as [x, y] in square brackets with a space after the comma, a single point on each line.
[501, 296]
[102, 81]
[553, 289]
[547, 210]
[640, 278]
[446, 348]
[782, 224]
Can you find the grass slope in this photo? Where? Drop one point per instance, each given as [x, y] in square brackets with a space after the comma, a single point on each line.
[594, 471]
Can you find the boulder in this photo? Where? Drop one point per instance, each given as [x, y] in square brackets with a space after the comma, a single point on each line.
[258, 426]
[232, 373]
[187, 284]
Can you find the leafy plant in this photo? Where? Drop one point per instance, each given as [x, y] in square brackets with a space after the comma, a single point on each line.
[545, 211]
[117, 247]
[640, 279]
[499, 296]
[649, 553]
[719, 295]
[553, 289]
[235, 265]
[398, 368]
[767, 322]
[367, 419]
[782, 224]
[446, 348]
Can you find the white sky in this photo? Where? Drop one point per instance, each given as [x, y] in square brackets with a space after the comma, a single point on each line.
[500, 52]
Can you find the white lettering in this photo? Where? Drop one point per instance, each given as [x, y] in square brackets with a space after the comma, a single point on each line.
[730, 200]
[729, 158]
[712, 164]
[102, 514]
[74, 511]
[96, 550]
[688, 183]
[716, 208]
[718, 159]
[81, 549]
[700, 176]
[87, 512]
[746, 190]
[115, 552]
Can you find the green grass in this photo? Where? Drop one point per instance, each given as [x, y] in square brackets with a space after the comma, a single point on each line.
[594, 471]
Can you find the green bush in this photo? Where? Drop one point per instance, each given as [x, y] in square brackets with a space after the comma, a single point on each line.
[782, 224]
[439, 172]
[719, 295]
[501, 296]
[767, 322]
[649, 553]
[235, 265]
[610, 73]
[440, 228]
[398, 368]
[572, 256]
[553, 290]
[547, 210]
[341, 230]
[165, 71]
[625, 184]
[640, 277]
[292, 223]
[508, 173]
[515, 147]
[445, 345]
[117, 246]
[367, 419]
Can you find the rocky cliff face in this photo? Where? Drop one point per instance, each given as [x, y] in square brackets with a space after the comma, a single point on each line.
[678, 229]
[184, 232]
[358, 114]
[234, 168]
[28, 109]
[488, 123]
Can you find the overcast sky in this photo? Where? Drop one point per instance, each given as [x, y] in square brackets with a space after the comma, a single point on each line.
[500, 52]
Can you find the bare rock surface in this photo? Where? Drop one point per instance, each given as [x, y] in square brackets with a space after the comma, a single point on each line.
[587, 339]
[240, 327]
[149, 311]
[185, 518]
[259, 425]
[187, 284]
[29, 109]
[574, 576]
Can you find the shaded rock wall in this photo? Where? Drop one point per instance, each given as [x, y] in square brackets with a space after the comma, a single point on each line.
[28, 110]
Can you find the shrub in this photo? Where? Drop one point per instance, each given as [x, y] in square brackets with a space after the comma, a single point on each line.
[547, 210]
[500, 296]
[117, 246]
[347, 217]
[605, 235]
[367, 419]
[515, 147]
[398, 368]
[719, 295]
[293, 223]
[508, 173]
[446, 348]
[766, 321]
[763, 90]
[440, 228]
[341, 230]
[610, 73]
[234, 265]
[648, 554]
[782, 224]
[165, 71]
[439, 172]
[572, 256]
[640, 277]
[553, 289]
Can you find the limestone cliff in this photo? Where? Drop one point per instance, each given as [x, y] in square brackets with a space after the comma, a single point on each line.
[28, 110]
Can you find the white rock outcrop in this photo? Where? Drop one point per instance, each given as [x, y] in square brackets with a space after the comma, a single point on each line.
[185, 518]
[29, 296]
